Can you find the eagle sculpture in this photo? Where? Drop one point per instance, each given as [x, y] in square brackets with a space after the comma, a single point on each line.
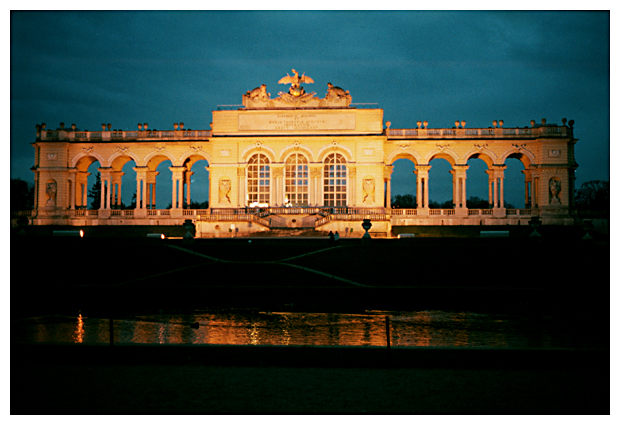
[295, 80]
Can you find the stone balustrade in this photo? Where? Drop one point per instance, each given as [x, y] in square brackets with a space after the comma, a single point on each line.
[118, 135]
[474, 133]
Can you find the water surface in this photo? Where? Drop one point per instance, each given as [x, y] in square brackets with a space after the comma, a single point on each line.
[406, 329]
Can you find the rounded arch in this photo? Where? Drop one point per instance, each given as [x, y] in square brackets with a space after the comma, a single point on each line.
[189, 160]
[395, 156]
[445, 154]
[83, 160]
[524, 156]
[191, 157]
[489, 158]
[335, 148]
[267, 151]
[153, 160]
[300, 149]
[118, 160]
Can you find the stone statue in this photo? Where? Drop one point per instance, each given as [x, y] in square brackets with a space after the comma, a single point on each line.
[335, 92]
[50, 191]
[296, 89]
[555, 187]
[368, 187]
[259, 93]
[224, 191]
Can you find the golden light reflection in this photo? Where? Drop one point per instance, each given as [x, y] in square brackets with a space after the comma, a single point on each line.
[78, 333]
[254, 334]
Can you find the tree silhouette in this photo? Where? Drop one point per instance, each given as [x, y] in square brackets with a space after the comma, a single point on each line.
[95, 193]
[404, 201]
[592, 198]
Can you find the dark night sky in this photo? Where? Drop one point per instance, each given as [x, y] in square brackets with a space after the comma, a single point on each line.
[124, 68]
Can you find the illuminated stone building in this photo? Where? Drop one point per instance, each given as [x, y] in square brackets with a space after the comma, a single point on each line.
[299, 161]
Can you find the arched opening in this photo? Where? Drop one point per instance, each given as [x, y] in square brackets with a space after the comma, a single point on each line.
[123, 183]
[440, 188]
[196, 183]
[158, 184]
[403, 184]
[93, 186]
[515, 180]
[128, 185]
[85, 167]
[334, 180]
[296, 180]
[258, 180]
[478, 195]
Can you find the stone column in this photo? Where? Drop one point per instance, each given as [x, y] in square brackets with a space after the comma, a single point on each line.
[72, 191]
[387, 175]
[188, 185]
[177, 191]
[351, 185]
[315, 185]
[460, 181]
[141, 179]
[241, 201]
[150, 187]
[498, 190]
[277, 192]
[422, 183]
[528, 187]
[117, 178]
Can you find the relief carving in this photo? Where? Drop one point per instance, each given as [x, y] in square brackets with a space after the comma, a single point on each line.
[224, 191]
[368, 188]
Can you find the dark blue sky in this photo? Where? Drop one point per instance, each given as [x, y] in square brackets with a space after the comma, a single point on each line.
[164, 67]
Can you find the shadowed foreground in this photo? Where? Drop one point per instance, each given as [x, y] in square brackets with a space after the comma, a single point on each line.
[564, 279]
[152, 379]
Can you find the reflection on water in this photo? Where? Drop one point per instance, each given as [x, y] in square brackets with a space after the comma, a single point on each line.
[407, 329]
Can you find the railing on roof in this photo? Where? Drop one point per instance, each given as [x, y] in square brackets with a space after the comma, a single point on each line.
[119, 135]
[467, 133]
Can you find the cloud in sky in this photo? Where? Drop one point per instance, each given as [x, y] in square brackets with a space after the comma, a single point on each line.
[163, 67]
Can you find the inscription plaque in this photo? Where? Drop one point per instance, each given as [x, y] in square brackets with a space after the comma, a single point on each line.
[289, 121]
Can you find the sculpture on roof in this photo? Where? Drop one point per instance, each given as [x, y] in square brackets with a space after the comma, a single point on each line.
[296, 97]
[296, 89]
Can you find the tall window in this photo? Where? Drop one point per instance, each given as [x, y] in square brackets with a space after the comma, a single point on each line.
[258, 179]
[296, 180]
[335, 181]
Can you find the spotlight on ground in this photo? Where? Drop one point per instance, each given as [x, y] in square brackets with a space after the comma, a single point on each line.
[156, 235]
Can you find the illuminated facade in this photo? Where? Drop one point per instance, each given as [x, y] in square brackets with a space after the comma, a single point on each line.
[299, 161]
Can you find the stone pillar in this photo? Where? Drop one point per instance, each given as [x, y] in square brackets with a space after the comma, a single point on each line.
[150, 188]
[528, 188]
[351, 185]
[188, 185]
[241, 201]
[72, 190]
[277, 189]
[105, 174]
[117, 178]
[315, 185]
[141, 179]
[422, 172]
[459, 188]
[177, 191]
[387, 175]
[498, 190]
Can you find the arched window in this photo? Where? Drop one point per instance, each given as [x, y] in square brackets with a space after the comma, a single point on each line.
[296, 180]
[258, 179]
[335, 181]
